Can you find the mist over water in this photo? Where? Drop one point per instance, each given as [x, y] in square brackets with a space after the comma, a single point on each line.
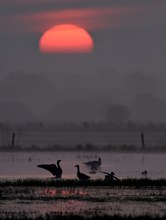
[73, 97]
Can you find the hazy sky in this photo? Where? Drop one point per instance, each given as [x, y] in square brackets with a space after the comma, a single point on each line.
[128, 35]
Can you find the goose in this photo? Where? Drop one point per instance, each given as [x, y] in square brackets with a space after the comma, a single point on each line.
[144, 173]
[110, 176]
[56, 170]
[94, 163]
[81, 176]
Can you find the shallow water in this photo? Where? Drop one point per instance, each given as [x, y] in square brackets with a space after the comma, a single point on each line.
[124, 165]
[85, 201]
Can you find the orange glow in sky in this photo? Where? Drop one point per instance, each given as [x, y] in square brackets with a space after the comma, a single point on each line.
[66, 38]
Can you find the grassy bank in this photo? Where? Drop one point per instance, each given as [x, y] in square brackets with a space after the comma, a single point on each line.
[77, 217]
[142, 182]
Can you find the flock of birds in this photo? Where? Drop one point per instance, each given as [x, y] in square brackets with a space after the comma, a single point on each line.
[57, 171]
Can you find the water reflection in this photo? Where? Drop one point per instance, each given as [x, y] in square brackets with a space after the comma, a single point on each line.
[63, 192]
[107, 201]
[94, 169]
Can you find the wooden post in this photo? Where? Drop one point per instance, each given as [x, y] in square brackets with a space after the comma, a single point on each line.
[142, 141]
[13, 139]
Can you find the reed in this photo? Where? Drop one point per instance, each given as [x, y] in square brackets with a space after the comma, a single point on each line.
[48, 216]
[133, 182]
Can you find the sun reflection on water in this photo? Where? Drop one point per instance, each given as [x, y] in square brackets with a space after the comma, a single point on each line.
[62, 192]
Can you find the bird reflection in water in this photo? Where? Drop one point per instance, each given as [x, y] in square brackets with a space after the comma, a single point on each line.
[93, 165]
[93, 169]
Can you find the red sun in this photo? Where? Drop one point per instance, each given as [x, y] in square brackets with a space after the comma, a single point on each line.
[66, 38]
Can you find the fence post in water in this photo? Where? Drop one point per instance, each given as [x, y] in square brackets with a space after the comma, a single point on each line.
[142, 141]
[13, 139]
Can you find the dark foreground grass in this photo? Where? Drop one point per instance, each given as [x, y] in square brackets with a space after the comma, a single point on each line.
[76, 183]
[77, 217]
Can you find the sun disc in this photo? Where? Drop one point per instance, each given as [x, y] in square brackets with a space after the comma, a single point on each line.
[66, 38]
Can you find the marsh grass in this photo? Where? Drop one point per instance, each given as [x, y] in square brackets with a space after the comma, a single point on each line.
[48, 199]
[142, 182]
[94, 194]
[54, 216]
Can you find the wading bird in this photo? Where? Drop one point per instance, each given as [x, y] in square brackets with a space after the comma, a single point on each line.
[56, 170]
[81, 176]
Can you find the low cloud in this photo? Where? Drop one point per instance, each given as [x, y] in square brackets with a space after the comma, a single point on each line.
[91, 17]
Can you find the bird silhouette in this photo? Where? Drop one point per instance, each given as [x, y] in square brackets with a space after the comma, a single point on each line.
[81, 176]
[94, 163]
[110, 176]
[56, 170]
[144, 173]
